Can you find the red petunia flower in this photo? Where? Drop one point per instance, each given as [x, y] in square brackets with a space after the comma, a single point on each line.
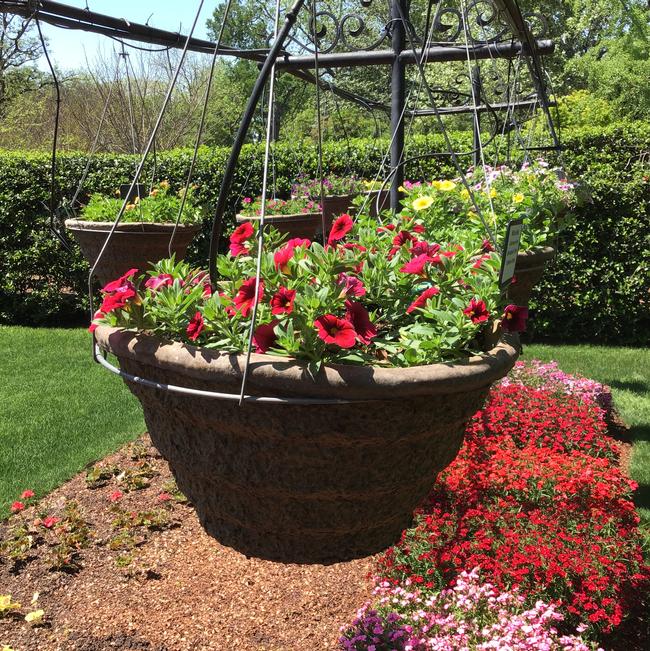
[195, 327]
[245, 297]
[299, 241]
[402, 238]
[116, 496]
[416, 265]
[282, 301]
[422, 299]
[477, 311]
[340, 228]
[419, 228]
[333, 330]
[161, 280]
[239, 239]
[28, 494]
[120, 282]
[424, 248]
[358, 316]
[119, 298]
[352, 286]
[387, 227]
[98, 315]
[50, 521]
[264, 336]
[281, 258]
[514, 318]
[17, 507]
[487, 247]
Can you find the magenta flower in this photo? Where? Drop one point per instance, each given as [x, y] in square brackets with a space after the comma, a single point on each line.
[282, 301]
[195, 327]
[340, 228]
[161, 280]
[239, 238]
[358, 316]
[477, 311]
[514, 318]
[245, 297]
[352, 286]
[264, 336]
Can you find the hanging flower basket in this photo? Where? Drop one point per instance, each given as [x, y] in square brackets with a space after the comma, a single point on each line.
[296, 225]
[336, 205]
[307, 483]
[378, 198]
[133, 244]
[528, 272]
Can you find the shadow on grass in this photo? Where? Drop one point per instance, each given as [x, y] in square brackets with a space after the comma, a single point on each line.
[634, 386]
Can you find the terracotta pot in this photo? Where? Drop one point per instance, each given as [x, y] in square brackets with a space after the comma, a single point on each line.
[298, 225]
[528, 272]
[305, 483]
[133, 245]
[335, 206]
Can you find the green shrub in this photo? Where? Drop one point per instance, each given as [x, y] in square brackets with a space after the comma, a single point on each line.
[598, 288]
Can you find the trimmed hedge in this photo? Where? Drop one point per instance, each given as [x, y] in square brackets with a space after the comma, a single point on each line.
[597, 290]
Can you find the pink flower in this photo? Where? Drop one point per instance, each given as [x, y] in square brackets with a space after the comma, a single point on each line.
[422, 299]
[116, 496]
[402, 238]
[195, 327]
[119, 298]
[17, 507]
[340, 228]
[247, 200]
[424, 248]
[352, 286]
[333, 330]
[358, 316]
[282, 301]
[161, 280]
[477, 311]
[27, 494]
[50, 521]
[164, 497]
[245, 297]
[487, 247]
[514, 318]
[264, 336]
[299, 241]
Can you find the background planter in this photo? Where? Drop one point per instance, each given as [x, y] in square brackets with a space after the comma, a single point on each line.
[133, 245]
[335, 206]
[298, 225]
[528, 272]
[377, 198]
[305, 483]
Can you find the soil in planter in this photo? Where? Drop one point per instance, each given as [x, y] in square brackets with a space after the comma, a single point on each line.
[182, 590]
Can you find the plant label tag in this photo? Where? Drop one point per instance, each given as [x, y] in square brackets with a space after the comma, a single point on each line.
[510, 251]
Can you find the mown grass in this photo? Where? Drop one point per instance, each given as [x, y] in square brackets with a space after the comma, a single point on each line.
[627, 371]
[59, 410]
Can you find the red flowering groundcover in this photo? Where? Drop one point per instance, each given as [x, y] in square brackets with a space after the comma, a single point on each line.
[535, 500]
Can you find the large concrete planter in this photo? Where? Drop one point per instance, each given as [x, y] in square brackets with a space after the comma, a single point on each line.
[335, 206]
[378, 199]
[305, 483]
[133, 245]
[528, 272]
[298, 225]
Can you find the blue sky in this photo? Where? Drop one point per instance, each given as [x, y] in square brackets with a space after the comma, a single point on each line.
[68, 48]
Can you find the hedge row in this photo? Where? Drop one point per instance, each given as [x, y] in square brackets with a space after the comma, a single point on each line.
[597, 289]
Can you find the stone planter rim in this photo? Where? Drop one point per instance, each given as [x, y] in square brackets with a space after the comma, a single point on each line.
[128, 227]
[276, 376]
[542, 252]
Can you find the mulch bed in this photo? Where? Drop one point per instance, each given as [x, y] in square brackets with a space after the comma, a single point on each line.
[181, 591]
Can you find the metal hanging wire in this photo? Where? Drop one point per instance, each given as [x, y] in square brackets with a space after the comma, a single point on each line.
[140, 167]
[199, 135]
[51, 206]
[262, 220]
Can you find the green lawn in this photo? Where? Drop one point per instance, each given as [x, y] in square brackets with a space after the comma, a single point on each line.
[59, 410]
[627, 371]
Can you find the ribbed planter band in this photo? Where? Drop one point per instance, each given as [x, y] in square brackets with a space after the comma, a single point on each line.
[304, 483]
[132, 246]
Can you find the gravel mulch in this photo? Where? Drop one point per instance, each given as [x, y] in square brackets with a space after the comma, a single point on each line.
[150, 579]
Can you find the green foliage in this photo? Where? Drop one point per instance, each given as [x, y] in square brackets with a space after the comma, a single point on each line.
[597, 289]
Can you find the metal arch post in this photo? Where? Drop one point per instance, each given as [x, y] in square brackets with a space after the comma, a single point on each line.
[247, 118]
[399, 13]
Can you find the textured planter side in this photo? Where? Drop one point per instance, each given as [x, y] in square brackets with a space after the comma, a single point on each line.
[528, 272]
[335, 206]
[305, 483]
[133, 245]
[298, 225]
